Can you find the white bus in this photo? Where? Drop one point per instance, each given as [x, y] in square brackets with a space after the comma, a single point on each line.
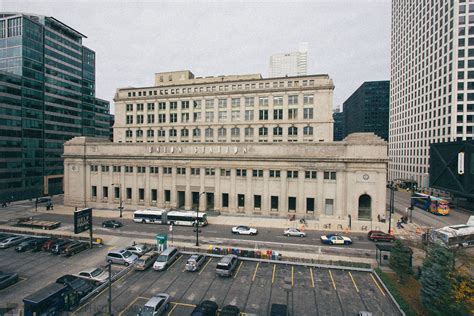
[454, 236]
[161, 216]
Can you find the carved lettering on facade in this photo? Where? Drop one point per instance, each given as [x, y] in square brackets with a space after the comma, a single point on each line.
[199, 150]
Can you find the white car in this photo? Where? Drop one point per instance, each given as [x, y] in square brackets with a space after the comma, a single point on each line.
[244, 230]
[97, 274]
[294, 232]
[336, 239]
[138, 249]
[156, 305]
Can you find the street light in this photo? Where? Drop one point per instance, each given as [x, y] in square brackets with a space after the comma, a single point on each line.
[120, 197]
[197, 221]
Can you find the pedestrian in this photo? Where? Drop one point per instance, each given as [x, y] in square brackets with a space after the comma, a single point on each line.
[378, 217]
[52, 206]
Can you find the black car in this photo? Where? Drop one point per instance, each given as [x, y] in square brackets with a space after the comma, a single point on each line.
[112, 224]
[278, 310]
[73, 248]
[230, 310]
[7, 279]
[205, 308]
[38, 244]
[4, 236]
[25, 245]
[59, 246]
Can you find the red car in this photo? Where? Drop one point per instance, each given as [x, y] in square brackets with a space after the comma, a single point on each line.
[377, 235]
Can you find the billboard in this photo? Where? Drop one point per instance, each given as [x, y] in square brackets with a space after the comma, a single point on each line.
[82, 220]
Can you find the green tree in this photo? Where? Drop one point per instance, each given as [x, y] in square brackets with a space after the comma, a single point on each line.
[436, 283]
[400, 260]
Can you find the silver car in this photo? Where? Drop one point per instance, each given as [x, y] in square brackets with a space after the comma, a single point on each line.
[139, 249]
[195, 262]
[121, 256]
[294, 232]
[96, 274]
[11, 241]
[156, 305]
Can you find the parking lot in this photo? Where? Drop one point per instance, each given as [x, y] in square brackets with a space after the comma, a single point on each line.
[253, 288]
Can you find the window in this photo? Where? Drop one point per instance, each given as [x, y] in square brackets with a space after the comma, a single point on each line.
[309, 205]
[225, 172]
[117, 192]
[197, 117]
[222, 132]
[222, 116]
[241, 172]
[167, 196]
[150, 106]
[94, 168]
[307, 99]
[240, 200]
[274, 173]
[129, 193]
[116, 169]
[263, 101]
[235, 102]
[222, 103]
[209, 104]
[161, 105]
[105, 168]
[310, 174]
[94, 191]
[154, 195]
[292, 100]
[140, 107]
[184, 117]
[292, 174]
[263, 115]
[173, 105]
[184, 132]
[235, 132]
[308, 113]
[328, 206]
[263, 131]
[278, 114]
[128, 133]
[257, 201]
[154, 170]
[129, 107]
[249, 115]
[141, 194]
[292, 131]
[141, 169]
[329, 175]
[173, 117]
[173, 132]
[291, 204]
[235, 116]
[249, 101]
[129, 119]
[161, 118]
[161, 133]
[150, 133]
[197, 104]
[139, 133]
[249, 131]
[274, 203]
[292, 114]
[257, 173]
[209, 116]
[195, 171]
[210, 171]
[196, 132]
[225, 199]
[308, 130]
[129, 169]
[277, 131]
[167, 170]
[185, 104]
[209, 132]
[181, 171]
[277, 100]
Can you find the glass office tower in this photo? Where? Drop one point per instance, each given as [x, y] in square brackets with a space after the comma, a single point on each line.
[47, 96]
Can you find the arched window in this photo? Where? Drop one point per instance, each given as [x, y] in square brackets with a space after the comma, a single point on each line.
[184, 132]
[292, 131]
[308, 130]
[365, 207]
[128, 133]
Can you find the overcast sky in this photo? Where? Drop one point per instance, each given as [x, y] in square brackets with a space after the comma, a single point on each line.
[349, 40]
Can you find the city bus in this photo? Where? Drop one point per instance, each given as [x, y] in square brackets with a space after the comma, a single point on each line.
[430, 203]
[175, 217]
[456, 236]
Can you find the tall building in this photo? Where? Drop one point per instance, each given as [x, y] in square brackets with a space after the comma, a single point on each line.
[237, 144]
[290, 64]
[367, 109]
[432, 82]
[338, 130]
[47, 96]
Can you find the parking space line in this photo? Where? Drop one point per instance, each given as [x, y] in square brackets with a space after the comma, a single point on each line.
[312, 277]
[353, 281]
[175, 262]
[12, 285]
[332, 279]
[204, 268]
[131, 304]
[238, 269]
[376, 283]
[292, 276]
[255, 272]
[273, 275]
[183, 304]
[172, 309]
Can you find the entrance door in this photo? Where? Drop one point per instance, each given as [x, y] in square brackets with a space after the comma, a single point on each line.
[210, 201]
[181, 199]
[195, 200]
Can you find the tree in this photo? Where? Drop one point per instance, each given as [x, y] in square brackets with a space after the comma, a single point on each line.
[400, 260]
[436, 283]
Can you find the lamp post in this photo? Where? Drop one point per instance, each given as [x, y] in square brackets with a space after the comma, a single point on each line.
[120, 197]
[197, 221]
[391, 186]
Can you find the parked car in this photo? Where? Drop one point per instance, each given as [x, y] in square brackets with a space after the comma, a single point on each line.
[195, 262]
[335, 239]
[156, 305]
[7, 279]
[377, 235]
[60, 245]
[26, 244]
[96, 274]
[139, 249]
[11, 241]
[226, 266]
[244, 230]
[230, 310]
[121, 256]
[73, 248]
[205, 308]
[294, 232]
[4, 236]
[278, 310]
[112, 224]
[166, 258]
[48, 245]
[145, 261]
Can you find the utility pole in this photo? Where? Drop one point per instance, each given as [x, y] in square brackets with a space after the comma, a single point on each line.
[110, 288]
[197, 221]
[390, 186]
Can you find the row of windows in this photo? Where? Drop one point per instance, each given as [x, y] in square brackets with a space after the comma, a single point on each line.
[232, 87]
[221, 132]
[224, 172]
[310, 205]
[263, 115]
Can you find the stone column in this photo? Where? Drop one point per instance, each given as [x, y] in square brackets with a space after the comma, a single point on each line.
[284, 193]
[217, 191]
[173, 187]
[320, 194]
[300, 198]
[202, 197]
[161, 189]
[249, 199]
[232, 194]
[339, 203]
[187, 193]
[266, 195]
[147, 186]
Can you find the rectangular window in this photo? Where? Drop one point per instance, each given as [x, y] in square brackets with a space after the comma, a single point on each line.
[94, 168]
[249, 101]
[263, 115]
[129, 107]
[225, 172]
[116, 192]
[210, 171]
[310, 174]
[235, 116]
[161, 105]
[292, 174]
[278, 100]
[154, 170]
[140, 119]
[154, 195]
[197, 116]
[116, 169]
[274, 203]
[129, 119]
[129, 169]
[141, 169]
[249, 115]
[222, 116]
[257, 173]
[195, 171]
[173, 117]
[94, 191]
[167, 196]
[263, 101]
[209, 104]
[241, 172]
[222, 103]
[173, 105]
[235, 102]
[274, 173]
[309, 205]
[292, 114]
[278, 114]
[129, 193]
[141, 194]
[328, 206]
[329, 175]
[185, 104]
[209, 116]
[291, 204]
[292, 100]
[257, 201]
[241, 200]
[225, 199]
[184, 117]
[140, 107]
[308, 113]
[151, 106]
[181, 171]
[308, 99]
[161, 118]
[167, 170]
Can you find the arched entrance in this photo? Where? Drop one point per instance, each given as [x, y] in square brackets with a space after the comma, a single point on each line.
[365, 207]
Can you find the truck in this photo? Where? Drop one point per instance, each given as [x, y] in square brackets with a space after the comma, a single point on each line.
[33, 223]
[50, 300]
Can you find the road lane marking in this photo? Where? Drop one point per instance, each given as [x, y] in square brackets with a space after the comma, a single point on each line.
[292, 276]
[238, 269]
[171, 310]
[202, 270]
[255, 273]
[332, 279]
[376, 283]
[353, 281]
[131, 304]
[312, 277]
[273, 274]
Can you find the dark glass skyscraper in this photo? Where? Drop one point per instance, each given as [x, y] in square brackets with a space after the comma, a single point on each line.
[367, 109]
[339, 125]
[47, 96]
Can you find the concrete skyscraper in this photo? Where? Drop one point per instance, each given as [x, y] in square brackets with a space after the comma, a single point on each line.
[290, 64]
[432, 82]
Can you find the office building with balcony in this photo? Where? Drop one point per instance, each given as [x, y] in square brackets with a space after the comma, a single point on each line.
[47, 96]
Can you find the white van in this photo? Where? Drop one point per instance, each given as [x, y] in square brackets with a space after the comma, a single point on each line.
[165, 259]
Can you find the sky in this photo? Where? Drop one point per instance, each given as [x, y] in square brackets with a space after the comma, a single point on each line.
[348, 40]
